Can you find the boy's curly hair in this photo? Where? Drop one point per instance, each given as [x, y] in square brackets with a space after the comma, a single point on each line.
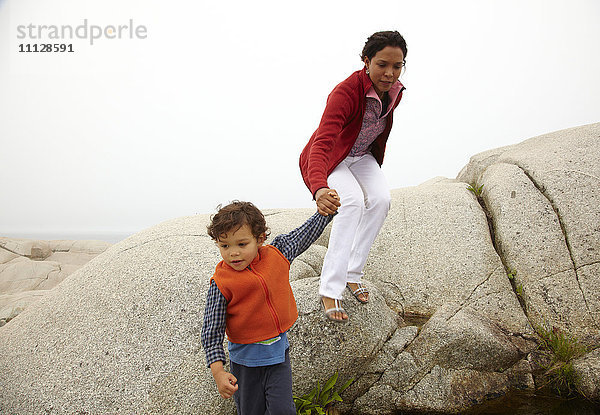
[234, 216]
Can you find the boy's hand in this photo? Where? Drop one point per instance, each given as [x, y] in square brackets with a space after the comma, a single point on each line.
[226, 382]
[327, 200]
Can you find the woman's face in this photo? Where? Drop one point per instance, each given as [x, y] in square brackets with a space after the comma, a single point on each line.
[385, 67]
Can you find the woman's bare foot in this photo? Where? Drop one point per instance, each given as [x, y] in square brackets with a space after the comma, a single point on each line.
[330, 305]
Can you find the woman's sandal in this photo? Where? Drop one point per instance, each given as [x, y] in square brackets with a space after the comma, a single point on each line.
[360, 290]
[337, 309]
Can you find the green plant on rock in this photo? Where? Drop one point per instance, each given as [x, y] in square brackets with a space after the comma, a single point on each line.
[519, 290]
[563, 378]
[320, 400]
[562, 349]
[475, 189]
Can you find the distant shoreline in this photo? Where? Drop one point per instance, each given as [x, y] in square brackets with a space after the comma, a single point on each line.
[111, 237]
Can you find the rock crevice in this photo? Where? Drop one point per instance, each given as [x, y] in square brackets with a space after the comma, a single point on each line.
[542, 191]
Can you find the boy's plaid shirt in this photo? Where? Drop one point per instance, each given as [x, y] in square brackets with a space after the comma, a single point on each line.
[290, 245]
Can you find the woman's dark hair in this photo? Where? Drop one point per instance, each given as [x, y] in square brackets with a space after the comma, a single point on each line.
[378, 41]
[234, 216]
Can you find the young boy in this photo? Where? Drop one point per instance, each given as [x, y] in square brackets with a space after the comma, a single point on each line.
[250, 298]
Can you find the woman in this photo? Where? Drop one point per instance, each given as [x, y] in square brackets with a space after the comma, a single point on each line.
[345, 154]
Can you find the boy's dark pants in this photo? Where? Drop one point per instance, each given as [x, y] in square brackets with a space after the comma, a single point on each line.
[264, 389]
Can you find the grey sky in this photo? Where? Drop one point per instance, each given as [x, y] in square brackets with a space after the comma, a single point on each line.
[218, 100]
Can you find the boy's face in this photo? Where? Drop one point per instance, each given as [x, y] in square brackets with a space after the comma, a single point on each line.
[238, 249]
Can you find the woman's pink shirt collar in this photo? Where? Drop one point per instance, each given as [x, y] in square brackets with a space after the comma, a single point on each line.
[393, 94]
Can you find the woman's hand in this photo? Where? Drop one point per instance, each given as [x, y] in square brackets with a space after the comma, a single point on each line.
[327, 200]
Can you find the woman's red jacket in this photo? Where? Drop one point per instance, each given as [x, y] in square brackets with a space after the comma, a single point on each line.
[338, 130]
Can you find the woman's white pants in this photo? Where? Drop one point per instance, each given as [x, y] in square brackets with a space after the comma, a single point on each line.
[365, 202]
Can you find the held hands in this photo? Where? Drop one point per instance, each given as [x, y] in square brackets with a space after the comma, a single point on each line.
[226, 382]
[327, 200]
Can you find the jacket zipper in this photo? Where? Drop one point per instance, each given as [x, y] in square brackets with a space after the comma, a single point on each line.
[271, 308]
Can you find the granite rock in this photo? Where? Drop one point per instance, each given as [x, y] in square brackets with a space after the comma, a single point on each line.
[29, 268]
[588, 374]
[435, 248]
[544, 197]
[533, 246]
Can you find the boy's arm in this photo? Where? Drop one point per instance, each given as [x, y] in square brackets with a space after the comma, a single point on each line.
[213, 326]
[297, 241]
[213, 333]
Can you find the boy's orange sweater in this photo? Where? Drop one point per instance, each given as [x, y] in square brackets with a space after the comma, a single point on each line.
[260, 302]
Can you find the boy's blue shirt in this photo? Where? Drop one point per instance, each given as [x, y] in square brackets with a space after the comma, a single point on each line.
[213, 328]
[260, 354]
